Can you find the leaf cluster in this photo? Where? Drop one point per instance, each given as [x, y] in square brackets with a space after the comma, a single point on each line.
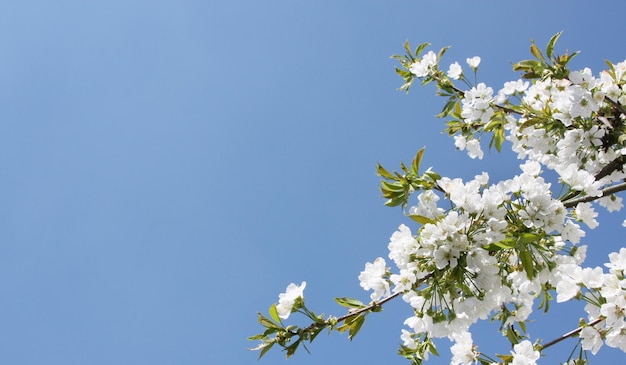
[411, 57]
[545, 66]
[397, 187]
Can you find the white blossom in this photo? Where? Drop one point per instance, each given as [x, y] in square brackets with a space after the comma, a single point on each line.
[524, 354]
[287, 299]
[473, 62]
[373, 278]
[455, 71]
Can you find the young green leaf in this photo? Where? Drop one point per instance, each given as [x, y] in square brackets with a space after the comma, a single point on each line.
[266, 347]
[417, 161]
[355, 326]
[420, 48]
[268, 323]
[350, 302]
[421, 219]
[536, 52]
[528, 263]
[291, 349]
[383, 172]
[551, 43]
[274, 313]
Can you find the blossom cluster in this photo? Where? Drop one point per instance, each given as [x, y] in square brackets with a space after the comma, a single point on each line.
[500, 247]
[607, 301]
[486, 250]
[471, 246]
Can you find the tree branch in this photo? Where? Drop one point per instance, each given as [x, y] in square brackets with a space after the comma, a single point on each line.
[605, 192]
[359, 311]
[612, 166]
[570, 334]
[617, 106]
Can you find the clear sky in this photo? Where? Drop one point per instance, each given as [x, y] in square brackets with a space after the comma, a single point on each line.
[168, 167]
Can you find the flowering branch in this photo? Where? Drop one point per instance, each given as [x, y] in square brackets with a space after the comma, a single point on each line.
[496, 248]
[605, 192]
[570, 334]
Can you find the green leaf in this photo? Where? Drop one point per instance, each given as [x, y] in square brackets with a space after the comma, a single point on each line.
[260, 336]
[403, 73]
[407, 47]
[569, 58]
[611, 68]
[512, 335]
[350, 302]
[355, 326]
[391, 186]
[528, 263]
[497, 139]
[268, 323]
[422, 219]
[448, 107]
[403, 168]
[536, 52]
[501, 245]
[551, 43]
[432, 348]
[442, 52]
[433, 175]
[526, 65]
[505, 358]
[527, 238]
[420, 48]
[266, 348]
[291, 349]
[383, 172]
[417, 161]
[314, 334]
[274, 313]
[395, 201]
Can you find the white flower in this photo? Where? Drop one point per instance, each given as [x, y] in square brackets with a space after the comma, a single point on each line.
[618, 261]
[612, 203]
[592, 340]
[474, 150]
[404, 281]
[566, 289]
[455, 71]
[463, 352]
[401, 246]
[473, 62]
[373, 278]
[476, 104]
[287, 299]
[586, 214]
[512, 87]
[472, 146]
[407, 340]
[524, 354]
[422, 67]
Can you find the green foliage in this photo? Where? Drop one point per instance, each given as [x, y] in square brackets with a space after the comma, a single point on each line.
[397, 187]
[554, 66]
[524, 248]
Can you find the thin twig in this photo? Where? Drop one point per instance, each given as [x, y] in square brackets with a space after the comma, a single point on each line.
[367, 308]
[617, 105]
[618, 163]
[605, 192]
[380, 302]
[570, 334]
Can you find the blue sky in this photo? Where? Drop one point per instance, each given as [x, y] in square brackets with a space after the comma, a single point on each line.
[168, 167]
